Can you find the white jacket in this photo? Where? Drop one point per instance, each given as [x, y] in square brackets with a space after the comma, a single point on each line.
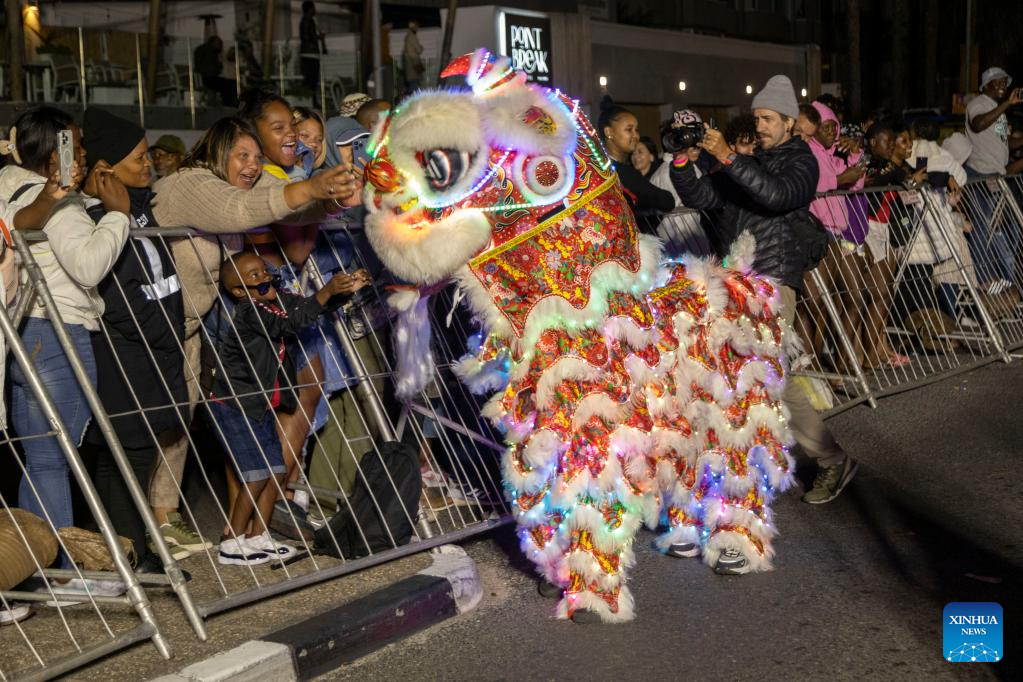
[77, 254]
[939, 160]
[8, 285]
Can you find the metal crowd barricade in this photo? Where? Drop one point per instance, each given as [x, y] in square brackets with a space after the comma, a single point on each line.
[908, 308]
[907, 284]
[992, 205]
[77, 629]
[899, 298]
[355, 414]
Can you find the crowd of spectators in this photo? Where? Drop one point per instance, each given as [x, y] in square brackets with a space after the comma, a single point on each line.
[226, 320]
[217, 334]
[824, 194]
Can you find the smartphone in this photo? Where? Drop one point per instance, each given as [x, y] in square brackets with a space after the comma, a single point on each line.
[66, 155]
[712, 122]
[921, 163]
[344, 150]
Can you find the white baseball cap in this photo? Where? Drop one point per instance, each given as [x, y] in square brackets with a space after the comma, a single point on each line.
[993, 74]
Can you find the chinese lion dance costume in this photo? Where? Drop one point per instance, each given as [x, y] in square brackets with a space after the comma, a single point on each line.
[629, 390]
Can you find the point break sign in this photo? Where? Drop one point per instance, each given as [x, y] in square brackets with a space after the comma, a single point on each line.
[526, 38]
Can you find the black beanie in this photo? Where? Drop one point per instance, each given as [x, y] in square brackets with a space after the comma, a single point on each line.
[109, 138]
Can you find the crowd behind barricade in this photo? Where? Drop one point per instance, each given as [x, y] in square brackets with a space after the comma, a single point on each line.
[869, 225]
[221, 337]
[235, 332]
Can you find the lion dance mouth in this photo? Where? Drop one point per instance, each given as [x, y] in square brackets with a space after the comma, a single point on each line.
[630, 390]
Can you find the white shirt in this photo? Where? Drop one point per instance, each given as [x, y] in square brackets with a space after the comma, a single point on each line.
[991, 145]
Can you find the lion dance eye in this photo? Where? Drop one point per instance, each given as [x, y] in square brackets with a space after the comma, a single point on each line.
[444, 167]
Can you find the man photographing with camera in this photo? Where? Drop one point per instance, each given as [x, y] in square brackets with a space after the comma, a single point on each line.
[768, 194]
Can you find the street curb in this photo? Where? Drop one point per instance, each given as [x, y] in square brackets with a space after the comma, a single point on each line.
[450, 586]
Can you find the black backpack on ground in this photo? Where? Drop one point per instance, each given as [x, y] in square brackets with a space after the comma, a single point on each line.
[401, 462]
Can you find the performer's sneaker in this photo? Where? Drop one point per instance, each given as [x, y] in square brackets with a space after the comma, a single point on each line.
[549, 590]
[731, 562]
[830, 481]
[683, 550]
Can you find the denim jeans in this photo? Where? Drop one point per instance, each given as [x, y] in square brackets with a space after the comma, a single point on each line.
[993, 252]
[45, 462]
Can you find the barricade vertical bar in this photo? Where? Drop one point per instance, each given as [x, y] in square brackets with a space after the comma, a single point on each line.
[985, 315]
[139, 497]
[847, 346]
[364, 388]
[136, 594]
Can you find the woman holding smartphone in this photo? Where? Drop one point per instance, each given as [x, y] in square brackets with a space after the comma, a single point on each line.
[75, 257]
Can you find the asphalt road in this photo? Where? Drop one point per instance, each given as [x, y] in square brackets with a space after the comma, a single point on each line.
[859, 586]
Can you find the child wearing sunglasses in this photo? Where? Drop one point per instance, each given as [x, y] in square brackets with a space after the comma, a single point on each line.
[255, 380]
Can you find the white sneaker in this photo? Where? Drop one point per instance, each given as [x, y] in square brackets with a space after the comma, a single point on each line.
[266, 544]
[800, 363]
[15, 613]
[467, 495]
[239, 553]
[968, 322]
[731, 561]
[433, 479]
[77, 591]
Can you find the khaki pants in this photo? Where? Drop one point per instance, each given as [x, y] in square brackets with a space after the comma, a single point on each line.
[166, 479]
[809, 429]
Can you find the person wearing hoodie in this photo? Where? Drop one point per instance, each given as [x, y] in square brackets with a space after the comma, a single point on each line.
[857, 276]
[139, 360]
[75, 257]
[835, 172]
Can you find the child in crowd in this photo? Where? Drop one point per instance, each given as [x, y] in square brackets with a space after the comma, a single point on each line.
[255, 379]
[311, 151]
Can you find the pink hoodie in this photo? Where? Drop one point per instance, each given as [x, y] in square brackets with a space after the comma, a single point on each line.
[831, 210]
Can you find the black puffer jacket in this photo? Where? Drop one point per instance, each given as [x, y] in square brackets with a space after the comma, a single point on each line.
[768, 194]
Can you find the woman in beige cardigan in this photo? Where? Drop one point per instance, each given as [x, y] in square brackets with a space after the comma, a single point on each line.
[221, 189]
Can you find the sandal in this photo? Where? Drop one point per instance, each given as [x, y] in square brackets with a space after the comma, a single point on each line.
[896, 360]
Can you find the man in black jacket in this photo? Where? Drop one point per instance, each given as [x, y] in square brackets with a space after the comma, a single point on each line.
[769, 195]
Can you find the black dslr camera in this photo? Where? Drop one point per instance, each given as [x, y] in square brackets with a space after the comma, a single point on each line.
[688, 134]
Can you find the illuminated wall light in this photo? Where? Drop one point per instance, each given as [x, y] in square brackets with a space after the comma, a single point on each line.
[682, 86]
[603, 81]
[803, 92]
[749, 89]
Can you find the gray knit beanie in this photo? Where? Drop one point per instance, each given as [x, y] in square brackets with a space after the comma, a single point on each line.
[778, 95]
